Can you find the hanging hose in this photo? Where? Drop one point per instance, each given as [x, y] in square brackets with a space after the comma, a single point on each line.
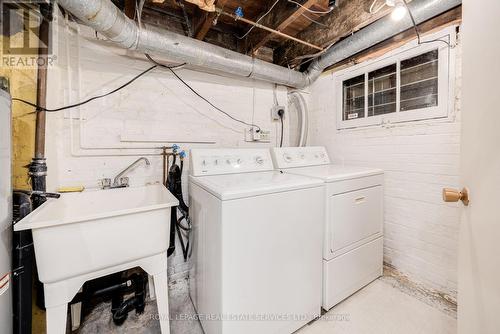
[298, 100]
[174, 184]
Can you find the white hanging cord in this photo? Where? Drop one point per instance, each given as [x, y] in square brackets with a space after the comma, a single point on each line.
[310, 10]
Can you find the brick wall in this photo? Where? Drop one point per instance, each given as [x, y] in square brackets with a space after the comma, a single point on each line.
[419, 159]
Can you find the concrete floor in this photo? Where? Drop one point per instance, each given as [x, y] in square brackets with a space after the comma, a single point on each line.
[381, 307]
[181, 314]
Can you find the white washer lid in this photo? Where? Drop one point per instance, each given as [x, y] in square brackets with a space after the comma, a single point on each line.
[233, 186]
[332, 173]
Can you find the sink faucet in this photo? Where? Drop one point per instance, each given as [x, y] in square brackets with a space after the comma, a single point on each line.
[119, 182]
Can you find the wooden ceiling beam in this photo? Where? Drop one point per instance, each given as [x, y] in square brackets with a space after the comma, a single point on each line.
[207, 21]
[347, 18]
[130, 9]
[285, 23]
[270, 30]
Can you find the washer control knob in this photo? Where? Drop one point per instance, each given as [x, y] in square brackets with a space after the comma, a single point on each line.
[259, 160]
[287, 157]
[204, 162]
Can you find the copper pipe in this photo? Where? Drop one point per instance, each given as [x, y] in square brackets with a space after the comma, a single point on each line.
[164, 154]
[260, 26]
[41, 95]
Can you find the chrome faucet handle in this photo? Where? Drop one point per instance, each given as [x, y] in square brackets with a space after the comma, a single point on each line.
[124, 181]
[105, 183]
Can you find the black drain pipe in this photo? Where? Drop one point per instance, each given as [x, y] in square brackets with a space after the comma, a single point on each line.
[22, 267]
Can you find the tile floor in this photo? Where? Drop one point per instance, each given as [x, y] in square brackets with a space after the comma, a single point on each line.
[381, 307]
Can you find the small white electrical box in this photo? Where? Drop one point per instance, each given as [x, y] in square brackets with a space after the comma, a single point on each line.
[262, 136]
[275, 112]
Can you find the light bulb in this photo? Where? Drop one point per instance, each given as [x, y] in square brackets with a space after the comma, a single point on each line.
[398, 12]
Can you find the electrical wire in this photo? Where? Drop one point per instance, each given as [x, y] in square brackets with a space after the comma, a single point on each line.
[375, 11]
[310, 10]
[258, 20]
[415, 27]
[310, 57]
[156, 64]
[282, 127]
[171, 69]
[314, 21]
[40, 108]
[186, 18]
[138, 10]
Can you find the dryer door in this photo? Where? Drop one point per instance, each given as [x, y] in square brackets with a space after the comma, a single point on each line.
[355, 218]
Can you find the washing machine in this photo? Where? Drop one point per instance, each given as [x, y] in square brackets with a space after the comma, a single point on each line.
[353, 225]
[257, 236]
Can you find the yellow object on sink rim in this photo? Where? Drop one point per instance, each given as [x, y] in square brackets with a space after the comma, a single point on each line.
[71, 189]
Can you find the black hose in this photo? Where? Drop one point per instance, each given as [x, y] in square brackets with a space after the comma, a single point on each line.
[174, 184]
[282, 126]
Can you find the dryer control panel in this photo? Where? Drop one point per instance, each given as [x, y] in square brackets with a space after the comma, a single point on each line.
[289, 157]
[229, 161]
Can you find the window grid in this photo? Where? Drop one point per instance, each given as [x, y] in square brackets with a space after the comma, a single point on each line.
[371, 108]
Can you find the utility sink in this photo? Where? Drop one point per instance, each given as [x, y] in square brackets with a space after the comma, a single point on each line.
[91, 230]
[82, 236]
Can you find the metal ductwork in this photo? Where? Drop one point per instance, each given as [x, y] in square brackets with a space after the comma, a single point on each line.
[107, 19]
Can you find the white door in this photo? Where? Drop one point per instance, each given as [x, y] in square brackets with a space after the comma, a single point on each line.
[479, 243]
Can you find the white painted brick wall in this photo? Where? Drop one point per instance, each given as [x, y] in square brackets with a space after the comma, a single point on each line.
[419, 159]
[156, 105]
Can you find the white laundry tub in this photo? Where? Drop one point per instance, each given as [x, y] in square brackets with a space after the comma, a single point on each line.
[85, 232]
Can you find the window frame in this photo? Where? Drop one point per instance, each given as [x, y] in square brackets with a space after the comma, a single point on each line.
[446, 82]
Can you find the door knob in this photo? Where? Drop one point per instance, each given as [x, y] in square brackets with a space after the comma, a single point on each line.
[454, 195]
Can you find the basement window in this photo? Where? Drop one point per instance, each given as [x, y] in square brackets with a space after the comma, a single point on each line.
[382, 91]
[409, 84]
[354, 97]
[419, 81]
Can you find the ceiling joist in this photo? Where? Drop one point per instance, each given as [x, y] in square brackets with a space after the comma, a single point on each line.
[288, 20]
[207, 21]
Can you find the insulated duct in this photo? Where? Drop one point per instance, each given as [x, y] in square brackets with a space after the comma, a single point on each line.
[107, 19]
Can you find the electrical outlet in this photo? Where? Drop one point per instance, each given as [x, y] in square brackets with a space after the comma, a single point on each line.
[275, 112]
[264, 136]
[252, 135]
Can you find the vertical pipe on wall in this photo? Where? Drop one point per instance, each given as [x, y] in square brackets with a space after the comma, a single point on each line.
[41, 96]
[38, 168]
